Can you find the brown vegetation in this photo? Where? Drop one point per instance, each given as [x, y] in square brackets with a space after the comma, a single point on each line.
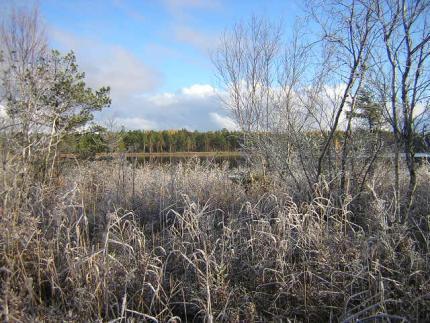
[314, 228]
[185, 243]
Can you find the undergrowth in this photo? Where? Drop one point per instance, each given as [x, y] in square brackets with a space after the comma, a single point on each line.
[176, 243]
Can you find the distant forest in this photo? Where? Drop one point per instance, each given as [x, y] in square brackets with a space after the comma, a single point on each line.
[150, 141]
[99, 140]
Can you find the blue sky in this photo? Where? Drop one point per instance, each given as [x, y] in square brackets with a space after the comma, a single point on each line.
[155, 54]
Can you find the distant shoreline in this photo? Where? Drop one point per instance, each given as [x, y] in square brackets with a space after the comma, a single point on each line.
[178, 154]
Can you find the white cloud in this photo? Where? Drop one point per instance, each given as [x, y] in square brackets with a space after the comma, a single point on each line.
[136, 123]
[199, 90]
[196, 91]
[196, 107]
[223, 121]
[135, 103]
[124, 72]
[163, 99]
[107, 64]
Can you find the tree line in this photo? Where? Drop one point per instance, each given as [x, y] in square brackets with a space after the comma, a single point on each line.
[99, 140]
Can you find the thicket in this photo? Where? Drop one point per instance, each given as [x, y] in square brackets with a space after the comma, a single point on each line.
[186, 243]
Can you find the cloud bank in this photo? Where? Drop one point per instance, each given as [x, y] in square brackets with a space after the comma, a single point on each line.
[194, 108]
[136, 102]
[109, 64]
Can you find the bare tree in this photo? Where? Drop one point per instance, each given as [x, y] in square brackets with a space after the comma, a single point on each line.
[246, 63]
[261, 75]
[23, 43]
[23, 38]
[348, 35]
[273, 87]
[401, 76]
